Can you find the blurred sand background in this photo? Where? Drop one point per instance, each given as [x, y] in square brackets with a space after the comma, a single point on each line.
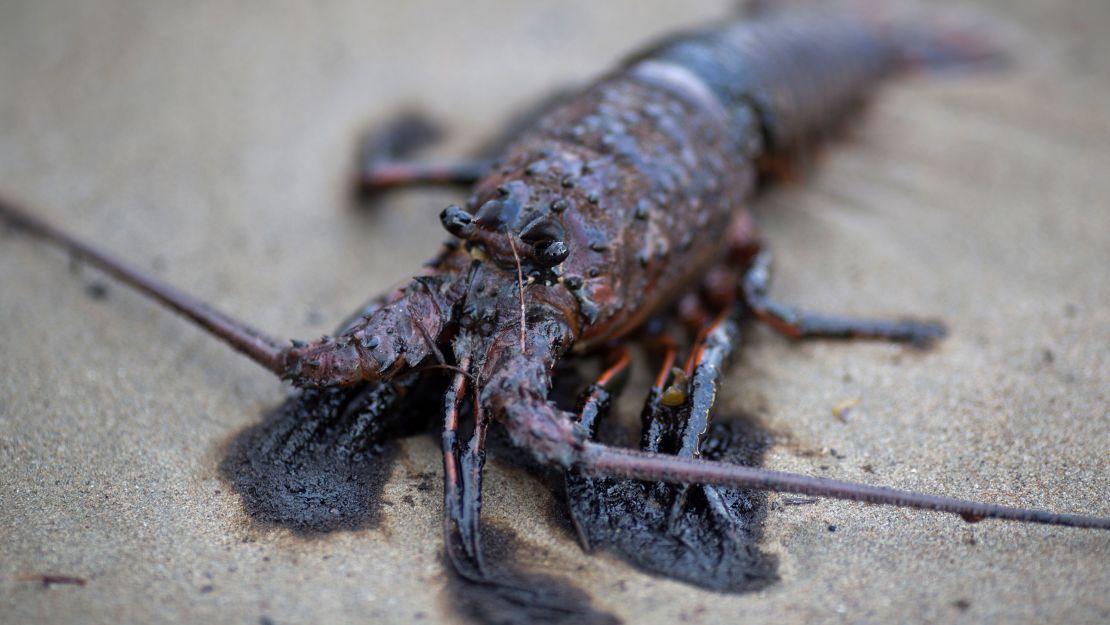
[211, 143]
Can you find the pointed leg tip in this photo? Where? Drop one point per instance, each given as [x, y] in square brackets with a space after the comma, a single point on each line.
[927, 334]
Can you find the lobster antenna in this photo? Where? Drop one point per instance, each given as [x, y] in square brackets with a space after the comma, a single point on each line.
[520, 287]
[260, 348]
[604, 461]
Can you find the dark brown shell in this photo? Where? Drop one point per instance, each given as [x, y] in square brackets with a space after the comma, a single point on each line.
[638, 180]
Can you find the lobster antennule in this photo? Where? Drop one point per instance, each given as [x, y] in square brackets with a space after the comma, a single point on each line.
[602, 460]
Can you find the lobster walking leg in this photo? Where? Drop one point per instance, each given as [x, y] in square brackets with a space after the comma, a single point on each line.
[595, 400]
[462, 483]
[654, 428]
[801, 324]
[383, 163]
[702, 535]
[383, 158]
[707, 360]
[389, 174]
[594, 405]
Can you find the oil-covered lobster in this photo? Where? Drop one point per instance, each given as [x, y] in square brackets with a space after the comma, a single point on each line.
[621, 208]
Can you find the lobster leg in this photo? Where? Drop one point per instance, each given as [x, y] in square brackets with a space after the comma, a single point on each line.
[707, 360]
[594, 403]
[462, 484]
[800, 324]
[383, 163]
[654, 428]
[603, 461]
[699, 534]
[383, 159]
[390, 174]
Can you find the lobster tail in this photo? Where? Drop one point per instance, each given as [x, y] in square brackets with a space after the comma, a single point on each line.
[789, 75]
[794, 74]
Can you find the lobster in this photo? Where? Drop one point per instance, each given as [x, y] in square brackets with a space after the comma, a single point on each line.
[621, 213]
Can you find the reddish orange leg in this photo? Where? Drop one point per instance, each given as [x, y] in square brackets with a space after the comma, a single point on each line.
[708, 538]
[654, 428]
[594, 402]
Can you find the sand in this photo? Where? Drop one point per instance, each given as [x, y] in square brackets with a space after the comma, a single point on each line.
[212, 144]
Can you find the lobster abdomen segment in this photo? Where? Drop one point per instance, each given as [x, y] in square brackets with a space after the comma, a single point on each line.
[798, 73]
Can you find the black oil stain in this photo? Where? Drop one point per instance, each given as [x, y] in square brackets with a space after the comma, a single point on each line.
[710, 540]
[510, 594]
[512, 591]
[318, 462]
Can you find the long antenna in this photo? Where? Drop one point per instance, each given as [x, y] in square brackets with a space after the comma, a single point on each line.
[260, 348]
[601, 460]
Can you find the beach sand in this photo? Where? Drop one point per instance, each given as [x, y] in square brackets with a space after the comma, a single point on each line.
[212, 145]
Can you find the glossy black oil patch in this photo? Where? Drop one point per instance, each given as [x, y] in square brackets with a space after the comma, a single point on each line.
[710, 539]
[318, 462]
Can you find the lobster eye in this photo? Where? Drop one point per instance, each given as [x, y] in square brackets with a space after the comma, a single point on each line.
[542, 230]
[458, 222]
[546, 237]
[550, 253]
[489, 214]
